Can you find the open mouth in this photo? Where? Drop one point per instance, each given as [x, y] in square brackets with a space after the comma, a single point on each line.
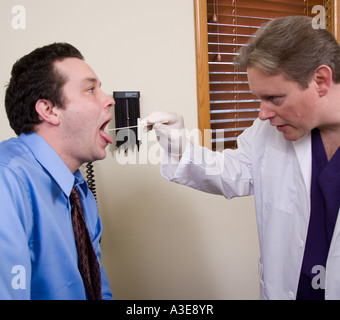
[104, 134]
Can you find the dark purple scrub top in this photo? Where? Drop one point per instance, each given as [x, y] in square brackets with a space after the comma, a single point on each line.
[325, 202]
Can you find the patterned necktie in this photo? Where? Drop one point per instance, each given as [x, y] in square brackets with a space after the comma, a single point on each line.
[87, 260]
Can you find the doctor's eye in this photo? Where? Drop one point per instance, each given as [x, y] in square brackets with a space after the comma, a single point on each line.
[277, 100]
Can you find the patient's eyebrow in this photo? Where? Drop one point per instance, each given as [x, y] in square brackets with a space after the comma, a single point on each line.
[88, 80]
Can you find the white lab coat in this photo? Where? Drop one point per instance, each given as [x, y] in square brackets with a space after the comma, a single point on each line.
[278, 173]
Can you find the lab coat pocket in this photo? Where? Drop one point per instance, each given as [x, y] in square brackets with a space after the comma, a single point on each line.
[278, 174]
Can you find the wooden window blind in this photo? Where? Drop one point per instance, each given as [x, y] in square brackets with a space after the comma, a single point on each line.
[229, 25]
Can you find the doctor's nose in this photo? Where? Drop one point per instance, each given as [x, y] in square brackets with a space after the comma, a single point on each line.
[266, 111]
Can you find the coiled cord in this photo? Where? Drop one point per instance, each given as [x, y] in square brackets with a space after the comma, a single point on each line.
[90, 179]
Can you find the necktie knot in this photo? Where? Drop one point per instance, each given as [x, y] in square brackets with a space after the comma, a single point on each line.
[74, 197]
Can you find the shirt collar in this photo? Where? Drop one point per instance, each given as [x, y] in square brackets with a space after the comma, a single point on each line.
[52, 163]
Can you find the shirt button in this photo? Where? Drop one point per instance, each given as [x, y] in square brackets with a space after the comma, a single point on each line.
[301, 244]
[291, 295]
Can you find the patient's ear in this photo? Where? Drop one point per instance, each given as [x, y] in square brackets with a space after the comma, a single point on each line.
[323, 77]
[47, 111]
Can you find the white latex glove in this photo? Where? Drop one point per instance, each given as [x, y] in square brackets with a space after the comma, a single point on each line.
[170, 131]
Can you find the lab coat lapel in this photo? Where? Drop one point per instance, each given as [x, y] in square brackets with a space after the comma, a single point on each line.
[303, 150]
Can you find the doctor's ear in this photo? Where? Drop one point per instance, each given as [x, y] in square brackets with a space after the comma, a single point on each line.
[323, 77]
[47, 111]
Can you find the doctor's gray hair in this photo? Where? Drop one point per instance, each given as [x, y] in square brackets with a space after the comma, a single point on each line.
[292, 47]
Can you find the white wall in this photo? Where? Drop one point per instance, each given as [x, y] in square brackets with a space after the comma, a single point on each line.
[160, 240]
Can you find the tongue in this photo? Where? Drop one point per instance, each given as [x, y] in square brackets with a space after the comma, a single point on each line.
[106, 136]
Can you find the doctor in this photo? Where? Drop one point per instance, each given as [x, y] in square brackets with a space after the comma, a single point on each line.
[289, 159]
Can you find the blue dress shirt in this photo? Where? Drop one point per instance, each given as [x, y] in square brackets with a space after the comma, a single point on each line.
[37, 248]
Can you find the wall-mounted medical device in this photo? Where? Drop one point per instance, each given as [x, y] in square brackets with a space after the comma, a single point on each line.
[127, 115]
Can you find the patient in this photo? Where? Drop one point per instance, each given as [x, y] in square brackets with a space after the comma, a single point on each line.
[56, 107]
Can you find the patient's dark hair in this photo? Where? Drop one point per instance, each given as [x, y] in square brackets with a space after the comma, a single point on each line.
[34, 77]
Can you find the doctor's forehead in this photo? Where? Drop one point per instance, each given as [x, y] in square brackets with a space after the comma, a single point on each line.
[262, 84]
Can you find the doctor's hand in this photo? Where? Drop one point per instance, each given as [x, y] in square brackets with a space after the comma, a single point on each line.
[170, 131]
